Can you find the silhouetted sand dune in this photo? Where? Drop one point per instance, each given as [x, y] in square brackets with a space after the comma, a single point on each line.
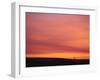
[37, 62]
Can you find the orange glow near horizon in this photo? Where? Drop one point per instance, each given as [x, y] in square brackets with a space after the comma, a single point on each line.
[53, 35]
[65, 55]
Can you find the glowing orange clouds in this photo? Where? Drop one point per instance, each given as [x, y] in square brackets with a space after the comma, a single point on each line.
[48, 33]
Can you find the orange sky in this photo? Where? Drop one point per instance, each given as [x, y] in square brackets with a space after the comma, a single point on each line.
[57, 35]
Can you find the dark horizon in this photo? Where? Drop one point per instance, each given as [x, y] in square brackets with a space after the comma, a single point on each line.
[42, 62]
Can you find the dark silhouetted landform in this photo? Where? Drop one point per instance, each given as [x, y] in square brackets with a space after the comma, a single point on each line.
[38, 62]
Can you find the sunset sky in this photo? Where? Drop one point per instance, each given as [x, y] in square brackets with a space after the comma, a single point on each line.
[57, 35]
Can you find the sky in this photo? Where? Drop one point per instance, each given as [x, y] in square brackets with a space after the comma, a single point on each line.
[57, 35]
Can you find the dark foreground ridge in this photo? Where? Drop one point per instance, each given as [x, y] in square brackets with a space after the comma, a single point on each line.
[38, 62]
